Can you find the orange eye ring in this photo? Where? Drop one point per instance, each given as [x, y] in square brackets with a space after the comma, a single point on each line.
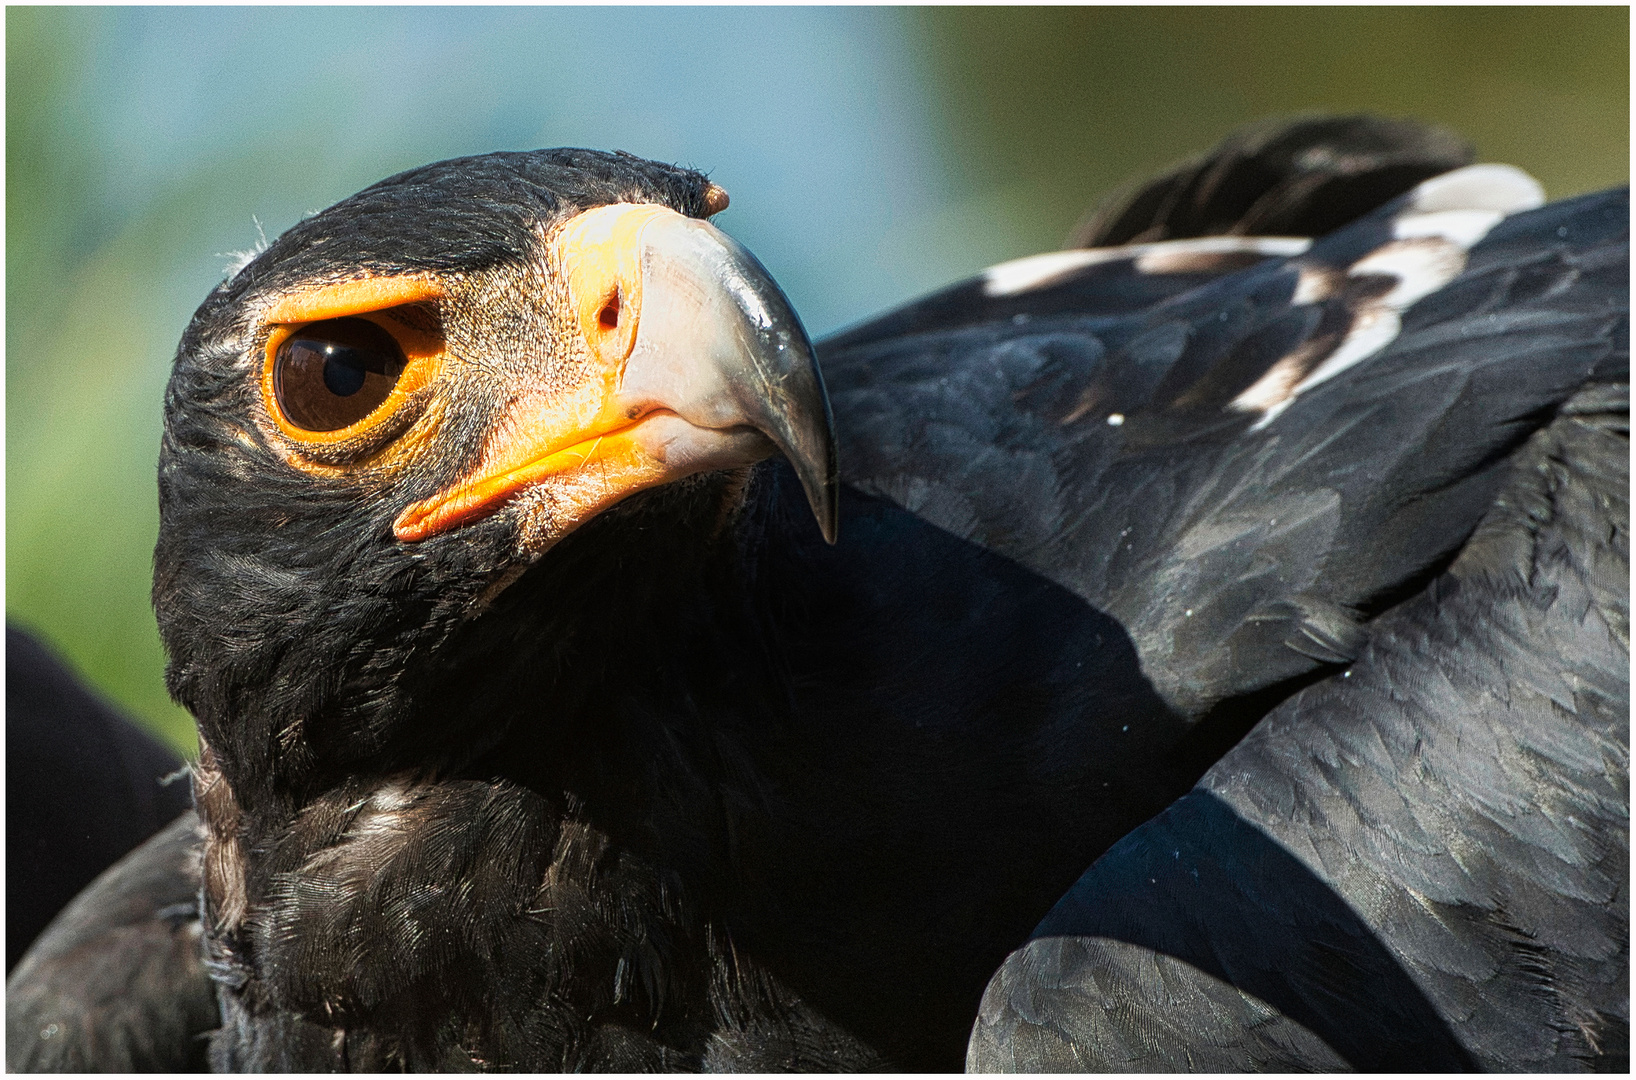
[422, 356]
[391, 352]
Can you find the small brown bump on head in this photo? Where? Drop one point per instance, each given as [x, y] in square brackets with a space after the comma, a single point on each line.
[715, 200]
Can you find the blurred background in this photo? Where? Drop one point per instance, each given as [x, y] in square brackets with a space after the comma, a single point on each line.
[872, 154]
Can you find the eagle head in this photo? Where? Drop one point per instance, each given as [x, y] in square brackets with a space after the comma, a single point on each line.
[431, 433]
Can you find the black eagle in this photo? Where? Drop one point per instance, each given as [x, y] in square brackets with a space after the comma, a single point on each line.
[1204, 648]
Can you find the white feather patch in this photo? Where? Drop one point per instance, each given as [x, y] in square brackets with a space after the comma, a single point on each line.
[1021, 275]
[1038, 271]
[1504, 189]
[1463, 228]
[1421, 267]
[1179, 256]
[1445, 218]
[1314, 283]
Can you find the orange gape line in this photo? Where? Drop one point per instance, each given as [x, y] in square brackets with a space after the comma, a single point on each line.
[605, 469]
[355, 298]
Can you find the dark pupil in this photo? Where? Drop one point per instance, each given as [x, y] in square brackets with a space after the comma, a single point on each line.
[344, 369]
[331, 374]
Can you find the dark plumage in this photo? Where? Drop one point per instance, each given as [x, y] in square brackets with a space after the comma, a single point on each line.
[677, 784]
[63, 741]
[117, 983]
[1421, 865]
[1302, 177]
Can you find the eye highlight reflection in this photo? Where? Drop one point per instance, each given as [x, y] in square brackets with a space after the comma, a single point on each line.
[331, 374]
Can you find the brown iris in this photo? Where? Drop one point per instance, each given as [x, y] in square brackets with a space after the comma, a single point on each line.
[329, 375]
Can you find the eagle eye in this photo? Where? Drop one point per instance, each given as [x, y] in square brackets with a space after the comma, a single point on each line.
[329, 375]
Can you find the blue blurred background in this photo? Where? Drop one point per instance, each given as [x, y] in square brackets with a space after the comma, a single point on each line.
[871, 154]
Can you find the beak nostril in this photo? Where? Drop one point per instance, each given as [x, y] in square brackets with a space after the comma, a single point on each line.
[608, 317]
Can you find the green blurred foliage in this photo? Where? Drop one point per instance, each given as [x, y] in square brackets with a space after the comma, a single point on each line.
[83, 354]
[1050, 107]
[1041, 110]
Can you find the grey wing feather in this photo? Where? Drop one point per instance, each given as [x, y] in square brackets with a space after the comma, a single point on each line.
[1420, 863]
[117, 982]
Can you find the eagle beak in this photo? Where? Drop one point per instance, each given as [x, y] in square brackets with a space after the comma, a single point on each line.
[698, 364]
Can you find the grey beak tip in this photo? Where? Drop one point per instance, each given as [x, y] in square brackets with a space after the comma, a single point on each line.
[829, 517]
[826, 493]
[783, 391]
[821, 483]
